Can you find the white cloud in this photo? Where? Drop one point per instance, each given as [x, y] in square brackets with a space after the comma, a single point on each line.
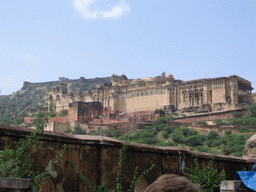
[116, 11]
[83, 7]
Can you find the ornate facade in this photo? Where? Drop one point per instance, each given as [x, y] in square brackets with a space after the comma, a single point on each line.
[161, 92]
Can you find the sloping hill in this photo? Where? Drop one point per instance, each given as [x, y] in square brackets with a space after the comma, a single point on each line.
[34, 95]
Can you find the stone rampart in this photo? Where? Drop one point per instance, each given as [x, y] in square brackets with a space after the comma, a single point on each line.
[207, 116]
[97, 157]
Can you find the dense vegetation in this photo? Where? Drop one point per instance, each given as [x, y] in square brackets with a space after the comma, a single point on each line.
[184, 137]
[163, 133]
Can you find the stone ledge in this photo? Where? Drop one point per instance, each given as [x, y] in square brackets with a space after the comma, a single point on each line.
[6, 130]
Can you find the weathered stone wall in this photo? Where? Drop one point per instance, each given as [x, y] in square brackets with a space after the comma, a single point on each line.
[29, 119]
[81, 111]
[97, 159]
[64, 119]
[143, 100]
[57, 126]
[207, 116]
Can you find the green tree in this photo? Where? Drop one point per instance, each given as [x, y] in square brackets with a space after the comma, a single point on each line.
[251, 110]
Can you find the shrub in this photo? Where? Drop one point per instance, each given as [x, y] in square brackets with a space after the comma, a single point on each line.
[143, 134]
[184, 131]
[150, 141]
[188, 132]
[177, 138]
[212, 135]
[168, 143]
[78, 130]
[124, 137]
[117, 133]
[203, 149]
[208, 177]
[227, 132]
[219, 122]
[226, 150]
[214, 142]
[249, 120]
[194, 140]
[17, 121]
[162, 120]
[238, 154]
[165, 135]
[106, 132]
[233, 143]
[251, 110]
[169, 129]
[201, 122]
[148, 127]
[237, 114]
[235, 121]
[245, 129]
[53, 115]
[40, 114]
[185, 125]
[192, 132]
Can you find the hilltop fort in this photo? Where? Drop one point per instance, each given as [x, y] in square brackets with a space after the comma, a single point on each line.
[160, 92]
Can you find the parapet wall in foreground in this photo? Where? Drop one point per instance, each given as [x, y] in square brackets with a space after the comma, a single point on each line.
[97, 159]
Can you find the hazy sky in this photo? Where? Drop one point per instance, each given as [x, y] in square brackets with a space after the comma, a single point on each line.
[43, 40]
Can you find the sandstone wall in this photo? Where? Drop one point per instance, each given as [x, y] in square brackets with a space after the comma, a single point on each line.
[57, 126]
[144, 100]
[29, 119]
[64, 119]
[208, 116]
[97, 159]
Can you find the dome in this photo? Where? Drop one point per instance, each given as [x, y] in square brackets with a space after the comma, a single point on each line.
[145, 79]
[250, 148]
[170, 76]
[135, 81]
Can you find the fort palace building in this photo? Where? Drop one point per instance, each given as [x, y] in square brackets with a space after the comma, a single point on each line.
[160, 92]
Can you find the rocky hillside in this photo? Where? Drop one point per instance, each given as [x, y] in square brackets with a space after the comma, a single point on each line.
[35, 95]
